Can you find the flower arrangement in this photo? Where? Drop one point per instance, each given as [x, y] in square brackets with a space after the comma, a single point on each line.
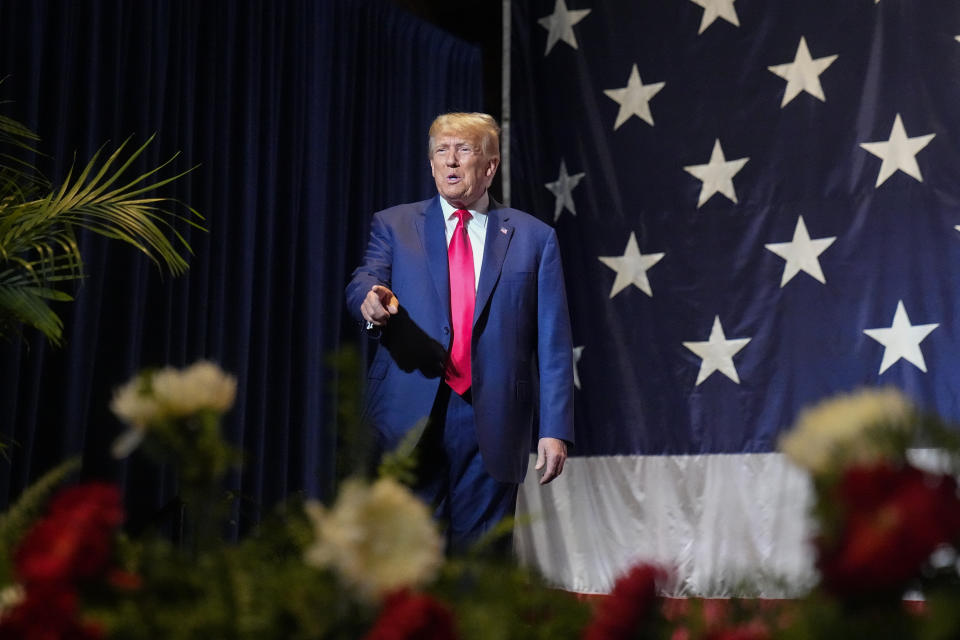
[176, 415]
[371, 564]
[169, 404]
[633, 604]
[379, 537]
[885, 528]
[880, 517]
[892, 520]
[861, 427]
[72, 544]
[406, 615]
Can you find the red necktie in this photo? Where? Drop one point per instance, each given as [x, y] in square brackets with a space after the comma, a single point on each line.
[462, 295]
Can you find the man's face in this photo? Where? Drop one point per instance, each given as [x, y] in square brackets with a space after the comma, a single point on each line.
[461, 172]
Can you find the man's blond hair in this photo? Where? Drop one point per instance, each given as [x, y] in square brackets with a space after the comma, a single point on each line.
[470, 126]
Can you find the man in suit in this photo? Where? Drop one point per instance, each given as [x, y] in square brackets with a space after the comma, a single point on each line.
[468, 298]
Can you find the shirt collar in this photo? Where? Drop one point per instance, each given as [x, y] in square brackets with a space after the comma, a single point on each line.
[478, 210]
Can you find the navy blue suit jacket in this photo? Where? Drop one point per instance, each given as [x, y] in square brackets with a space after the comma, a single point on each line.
[522, 359]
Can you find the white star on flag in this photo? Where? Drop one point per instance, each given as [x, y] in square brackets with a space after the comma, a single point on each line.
[713, 9]
[803, 74]
[717, 353]
[562, 188]
[631, 267]
[898, 152]
[577, 354]
[801, 253]
[902, 340]
[716, 175]
[634, 99]
[559, 25]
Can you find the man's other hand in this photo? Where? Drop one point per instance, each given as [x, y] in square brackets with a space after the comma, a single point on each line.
[379, 305]
[551, 454]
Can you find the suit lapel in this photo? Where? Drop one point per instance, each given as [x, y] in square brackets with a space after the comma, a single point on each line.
[499, 233]
[433, 238]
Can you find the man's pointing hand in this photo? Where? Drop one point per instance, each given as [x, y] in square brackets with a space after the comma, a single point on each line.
[379, 305]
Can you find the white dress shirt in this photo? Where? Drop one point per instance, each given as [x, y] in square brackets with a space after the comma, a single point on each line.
[476, 229]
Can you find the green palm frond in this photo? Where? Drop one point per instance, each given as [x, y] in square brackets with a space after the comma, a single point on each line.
[38, 245]
[16, 134]
[84, 202]
[28, 305]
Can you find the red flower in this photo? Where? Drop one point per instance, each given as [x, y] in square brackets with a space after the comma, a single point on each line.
[623, 613]
[75, 539]
[47, 613]
[720, 619]
[894, 518]
[411, 616]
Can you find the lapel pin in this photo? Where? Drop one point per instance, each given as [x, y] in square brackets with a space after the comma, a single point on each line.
[503, 230]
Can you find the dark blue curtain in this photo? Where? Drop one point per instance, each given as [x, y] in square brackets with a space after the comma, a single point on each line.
[302, 117]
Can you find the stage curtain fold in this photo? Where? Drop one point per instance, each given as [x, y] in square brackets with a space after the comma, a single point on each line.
[300, 119]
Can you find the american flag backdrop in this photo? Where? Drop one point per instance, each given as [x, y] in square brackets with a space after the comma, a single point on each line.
[758, 206]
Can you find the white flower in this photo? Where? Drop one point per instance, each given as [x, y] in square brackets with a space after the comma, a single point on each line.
[843, 429]
[10, 597]
[134, 404]
[202, 385]
[378, 537]
[169, 393]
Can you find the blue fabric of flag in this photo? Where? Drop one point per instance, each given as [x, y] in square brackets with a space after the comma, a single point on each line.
[838, 165]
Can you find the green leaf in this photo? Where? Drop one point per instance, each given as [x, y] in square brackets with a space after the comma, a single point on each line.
[39, 252]
[28, 507]
[27, 305]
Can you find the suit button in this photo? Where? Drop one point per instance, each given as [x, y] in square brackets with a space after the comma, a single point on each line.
[446, 331]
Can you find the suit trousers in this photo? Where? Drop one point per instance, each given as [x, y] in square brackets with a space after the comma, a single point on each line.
[453, 479]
